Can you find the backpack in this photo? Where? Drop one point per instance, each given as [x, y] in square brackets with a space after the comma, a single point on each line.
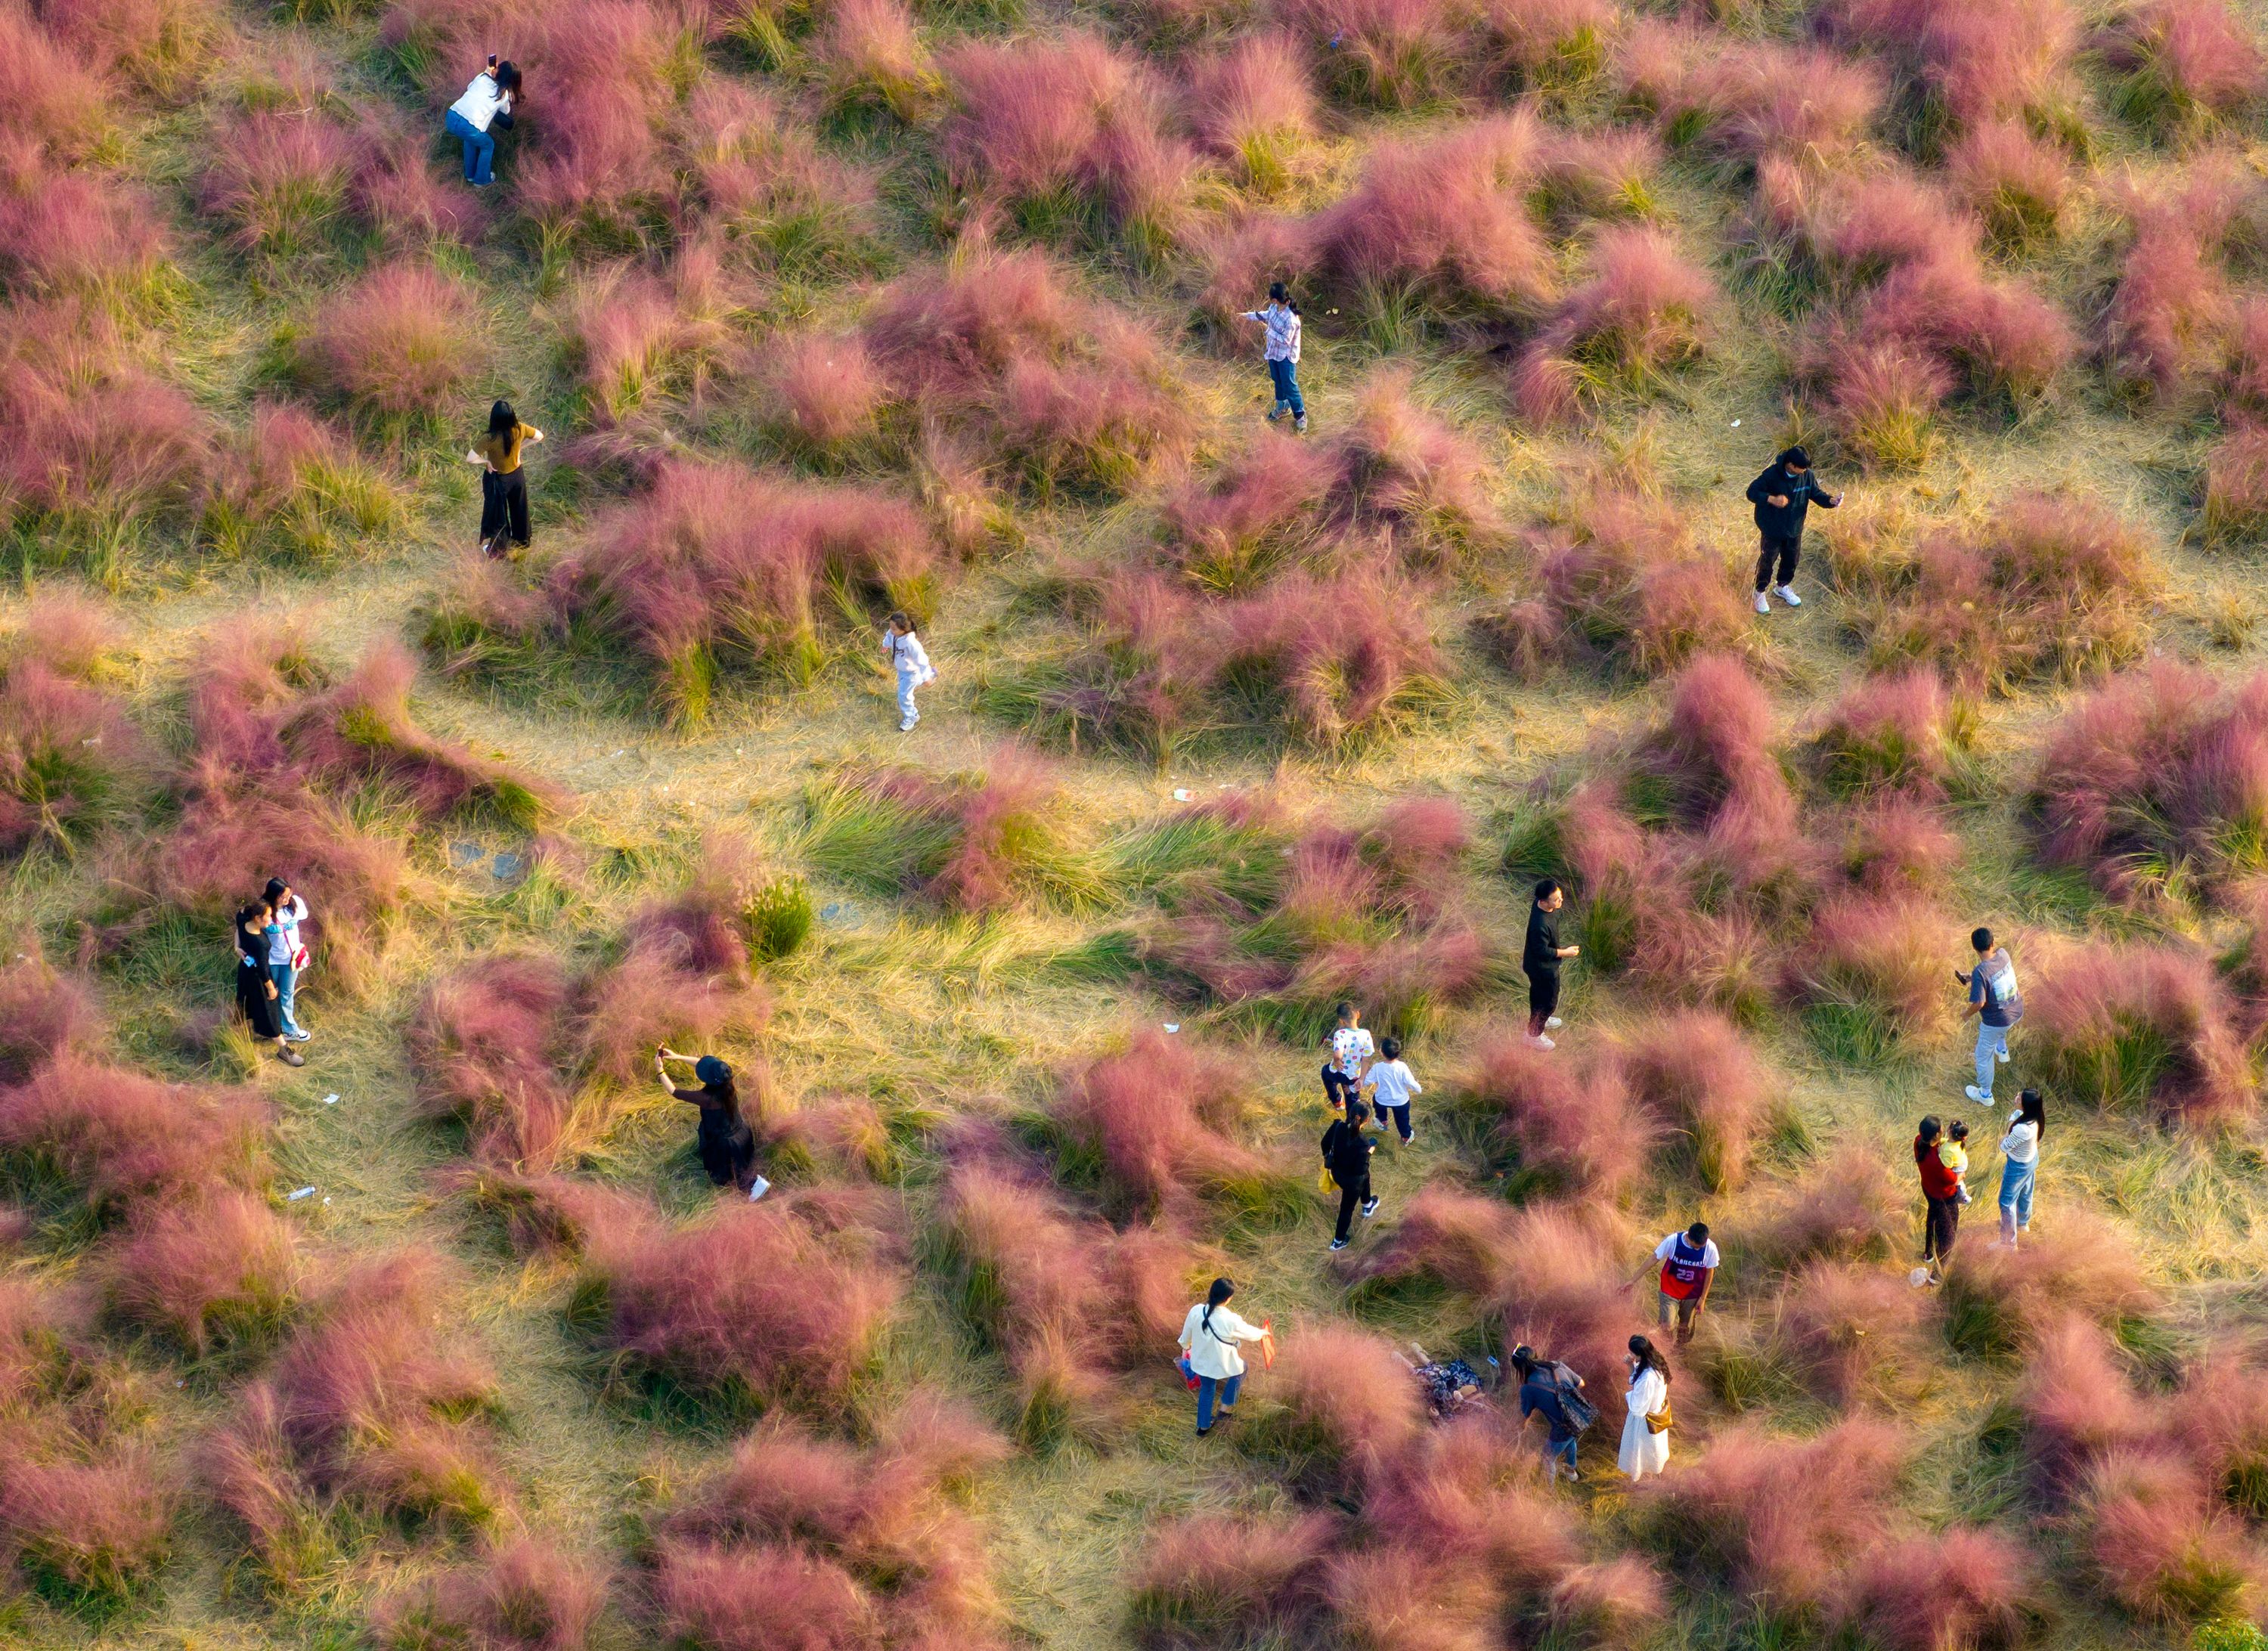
[2000, 984]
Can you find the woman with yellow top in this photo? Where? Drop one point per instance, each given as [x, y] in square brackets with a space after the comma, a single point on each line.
[504, 484]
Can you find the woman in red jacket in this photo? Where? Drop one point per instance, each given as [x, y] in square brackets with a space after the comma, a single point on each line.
[1940, 1189]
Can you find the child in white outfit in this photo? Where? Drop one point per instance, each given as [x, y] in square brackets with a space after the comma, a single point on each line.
[911, 660]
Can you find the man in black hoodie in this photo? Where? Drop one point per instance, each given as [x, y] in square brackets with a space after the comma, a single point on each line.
[1781, 496]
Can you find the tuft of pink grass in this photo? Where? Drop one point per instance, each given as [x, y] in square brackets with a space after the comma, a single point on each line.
[1878, 956]
[1963, 1589]
[1460, 1240]
[78, 233]
[71, 762]
[1630, 580]
[217, 1270]
[2017, 183]
[2159, 1546]
[1747, 101]
[124, 1141]
[1342, 1404]
[825, 390]
[281, 174]
[95, 1528]
[1643, 308]
[1389, 54]
[1698, 1076]
[1219, 1578]
[1898, 732]
[2014, 60]
[1856, 1334]
[2162, 329]
[2077, 1402]
[2184, 60]
[402, 340]
[523, 1593]
[1249, 102]
[45, 1013]
[484, 1042]
[2133, 1025]
[1162, 1116]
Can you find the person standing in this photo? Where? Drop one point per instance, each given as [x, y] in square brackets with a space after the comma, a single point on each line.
[1347, 1051]
[255, 987]
[1391, 1083]
[485, 109]
[909, 662]
[1212, 1340]
[1646, 1426]
[1281, 318]
[1689, 1268]
[726, 1144]
[1551, 1388]
[504, 484]
[1941, 1192]
[1996, 1001]
[1781, 495]
[2020, 1165]
[287, 953]
[1541, 958]
[1347, 1150]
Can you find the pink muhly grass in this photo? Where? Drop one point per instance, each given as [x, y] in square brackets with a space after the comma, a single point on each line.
[1250, 104]
[609, 68]
[1544, 43]
[50, 99]
[1606, 174]
[1698, 1076]
[123, 1141]
[784, 1320]
[78, 232]
[2163, 767]
[1645, 308]
[96, 1529]
[1897, 845]
[1747, 101]
[1576, 1131]
[824, 390]
[1158, 1120]
[45, 1013]
[2002, 336]
[282, 175]
[1564, 1288]
[1238, 257]
[1445, 220]
[2162, 329]
[1898, 732]
[1845, 1207]
[160, 45]
[483, 1043]
[1872, 222]
[639, 346]
[1387, 1593]
[1405, 473]
[2220, 1424]
[1716, 747]
[1729, 1514]
[1389, 54]
[402, 340]
[1460, 1240]
[521, 1594]
[1216, 1578]
[2159, 1546]
[1854, 1333]
[2077, 1402]
[1635, 585]
[872, 52]
[947, 334]
[222, 1269]
[1611, 1604]
[2185, 62]
[1963, 1589]
[1983, 66]
[1232, 529]
[2017, 183]
[398, 194]
[736, 1599]
[2003, 1301]
[71, 762]
[559, 1215]
[2142, 1026]
[1094, 428]
[1342, 1404]
[1875, 958]
[2236, 484]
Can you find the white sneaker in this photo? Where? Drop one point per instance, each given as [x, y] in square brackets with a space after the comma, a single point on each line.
[1540, 1041]
[2000, 1054]
[1764, 603]
[1976, 1095]
[1787, 596]
[1553, 1024]
[1301, 423]
[907, 727]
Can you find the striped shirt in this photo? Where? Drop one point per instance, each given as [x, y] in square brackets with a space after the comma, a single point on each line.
[1283, 324]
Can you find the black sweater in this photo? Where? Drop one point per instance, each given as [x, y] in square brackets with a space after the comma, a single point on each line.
[1347, 1150]
[1786, 521]
[1540, 955]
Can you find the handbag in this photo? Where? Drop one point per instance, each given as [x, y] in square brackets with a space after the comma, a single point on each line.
[1267, 1344]
[1661, 1422]
[1189, 1374]
[1324, 1184]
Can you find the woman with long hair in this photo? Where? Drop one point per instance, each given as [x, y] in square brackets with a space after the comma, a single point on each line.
[1645, 1426]
[1281, 318]
[2020, 1165]
[485, 109]
[1346, 1152]
[1212, 1340]
[256, 994]
[728, 1145]
[504, 484]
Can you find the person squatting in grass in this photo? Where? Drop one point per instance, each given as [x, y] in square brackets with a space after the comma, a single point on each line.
[2020, 1165]
[1211, 1340]
[1281, 318]
[1347, 1150]
[1943, 1160]
[1996, 1001]
[1781, 495]
[255, 987]
[1345, 1053]
[727, 1145]
[485, 108]
[1551, 1388]
[1540, 958]
[910, 660]
[1391, 1083]
[1688, 1267]
[1646, 1426]
[504, 484]
[287, 954]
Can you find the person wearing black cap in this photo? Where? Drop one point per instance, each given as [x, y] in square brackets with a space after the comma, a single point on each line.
[728, 1145]
[1781, 495]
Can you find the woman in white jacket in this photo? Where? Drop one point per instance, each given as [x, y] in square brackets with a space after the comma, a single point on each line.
[1644, 1450]
[911, 660]
[1212, 1337]
[474, 119]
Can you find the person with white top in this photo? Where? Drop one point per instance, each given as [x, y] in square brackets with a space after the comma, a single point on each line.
[485, 108]
[287, 955]
[1646, 1426]
[1391, 1083]
[1688, 1267]
[2020, 1165]
[1281, 318]
[910, 662]
[1349, 1050]
[1213, 1340]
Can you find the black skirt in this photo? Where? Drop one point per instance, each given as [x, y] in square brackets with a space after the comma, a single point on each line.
[252, 998]
[728, 1152]
[504, 502]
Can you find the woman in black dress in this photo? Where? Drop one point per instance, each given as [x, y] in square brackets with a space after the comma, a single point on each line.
[728, 1146]
[256, 989]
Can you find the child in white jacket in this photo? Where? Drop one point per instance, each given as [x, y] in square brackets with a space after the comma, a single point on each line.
[911, 660]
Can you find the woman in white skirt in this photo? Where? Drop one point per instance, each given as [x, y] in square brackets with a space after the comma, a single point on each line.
[1645, 1429]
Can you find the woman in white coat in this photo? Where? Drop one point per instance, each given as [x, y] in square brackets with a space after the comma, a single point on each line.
[901, 639]
[1212, 1338]
[1646, 1448]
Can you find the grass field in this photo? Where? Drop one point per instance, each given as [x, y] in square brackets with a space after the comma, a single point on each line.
[443, 1340]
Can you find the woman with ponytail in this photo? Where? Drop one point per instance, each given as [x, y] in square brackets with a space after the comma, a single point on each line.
[1281, 318]
[1212, 1339]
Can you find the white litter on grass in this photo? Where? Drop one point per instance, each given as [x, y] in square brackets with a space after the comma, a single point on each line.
[304, 1192]
[1736, 423]
[330, 1100]
[1180, 795]
[1171, 1026]
[758, 1191]
[327, 1201]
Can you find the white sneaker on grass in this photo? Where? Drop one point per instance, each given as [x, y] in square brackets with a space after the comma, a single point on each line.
[1540, 1041]
[1764, 603]
[2000, 1054]
[1977, 1095]
[1553, 1024]
[1787, 596]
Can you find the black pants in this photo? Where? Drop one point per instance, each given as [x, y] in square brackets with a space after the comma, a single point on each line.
[1350, 1195]
[503, 500]
[1941, 1228]
[1787, 551]
[1542, 997]
[1336, 1085]
[1399, 1115]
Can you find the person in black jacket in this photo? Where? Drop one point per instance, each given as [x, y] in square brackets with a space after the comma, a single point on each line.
[1541, 958]
[1781, 495]
[1347, 1150]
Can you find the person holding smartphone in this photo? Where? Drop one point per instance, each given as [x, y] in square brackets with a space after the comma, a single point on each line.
[485, 109]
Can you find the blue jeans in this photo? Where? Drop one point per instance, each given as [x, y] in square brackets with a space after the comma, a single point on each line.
[1285, 377]
[1206, 1387]
[480, 148]
[286, 978]
[2016, 1190]
[1992, 1042]
[1564, 1450]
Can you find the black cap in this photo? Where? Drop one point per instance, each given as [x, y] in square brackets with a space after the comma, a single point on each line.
[710, 1070]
